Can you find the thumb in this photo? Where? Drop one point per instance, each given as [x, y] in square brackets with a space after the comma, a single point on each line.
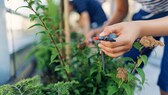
[107, 30]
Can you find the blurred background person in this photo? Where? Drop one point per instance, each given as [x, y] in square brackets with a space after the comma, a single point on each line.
[91, 14]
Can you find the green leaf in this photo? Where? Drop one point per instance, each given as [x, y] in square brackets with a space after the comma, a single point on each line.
[120, 82]
[144, 58]
[112, 75]
[58, 69]
[44, 18]
[90, 85]
[126, 59]
[130, 65]
[60, 45]
[53, 57]
[142, 74]
[77, 92]
[101, 92]
[32, 17]
[54, 61]
[40, 6]
[41, 32]
[127, 88]
[38, 1]
[87, 79]
[94, 91]
[108, 75]
[130, 77]
[141, 48]
[111, 90]
[37, 24]
[139, 62]
[59, 30]
[98, 78]
[92, 71]
[138, 46]
[31, 2]
[22, 7]
[68, 69]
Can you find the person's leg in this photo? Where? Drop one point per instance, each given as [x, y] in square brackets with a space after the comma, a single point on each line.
[163, 77]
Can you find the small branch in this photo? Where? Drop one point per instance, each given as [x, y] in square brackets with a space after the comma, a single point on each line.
[59, 39]
[133, 67]
[52, 39]
[135, 64]
[17, 89]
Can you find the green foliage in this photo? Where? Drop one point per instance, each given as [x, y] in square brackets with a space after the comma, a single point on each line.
[142, 74]
[128, 89]
[87, 69]
[144, 58]
[85, 66]
[138, 46]
[33, 86]
[37, 24]
[112, 90]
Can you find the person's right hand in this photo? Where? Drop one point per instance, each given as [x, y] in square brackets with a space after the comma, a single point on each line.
[127, 33]
[89, 36]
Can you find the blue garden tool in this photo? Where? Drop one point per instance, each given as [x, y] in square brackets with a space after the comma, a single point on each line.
[104, 38]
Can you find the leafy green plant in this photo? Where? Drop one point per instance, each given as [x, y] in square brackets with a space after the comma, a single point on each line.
[33, 86]
[118, 78]
[86, 67]
[49, 52]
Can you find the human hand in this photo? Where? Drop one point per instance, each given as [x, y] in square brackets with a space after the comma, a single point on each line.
[91, 34]
[88, 37]
[127, 33]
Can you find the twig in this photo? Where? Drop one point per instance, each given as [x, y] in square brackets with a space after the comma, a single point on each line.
[17, 89]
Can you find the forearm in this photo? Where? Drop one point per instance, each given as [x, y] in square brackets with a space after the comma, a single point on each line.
[117, 17]
[158, 27]
[85, 22]
[85, 26]
[120, 12]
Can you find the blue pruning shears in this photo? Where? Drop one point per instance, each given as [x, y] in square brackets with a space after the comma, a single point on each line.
[109, 38]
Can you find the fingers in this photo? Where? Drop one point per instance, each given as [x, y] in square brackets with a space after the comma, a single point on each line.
[120, 41]
[114, 55]
[107, 30]
[115, 49]
[111, 44]
[114, 52]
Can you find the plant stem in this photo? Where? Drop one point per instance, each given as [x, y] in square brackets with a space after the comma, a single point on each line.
[53, 41]
[17, 89]
[133, 67]
[51, 37]
[135, 64]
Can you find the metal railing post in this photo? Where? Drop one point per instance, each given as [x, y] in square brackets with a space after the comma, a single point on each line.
[4, 52]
